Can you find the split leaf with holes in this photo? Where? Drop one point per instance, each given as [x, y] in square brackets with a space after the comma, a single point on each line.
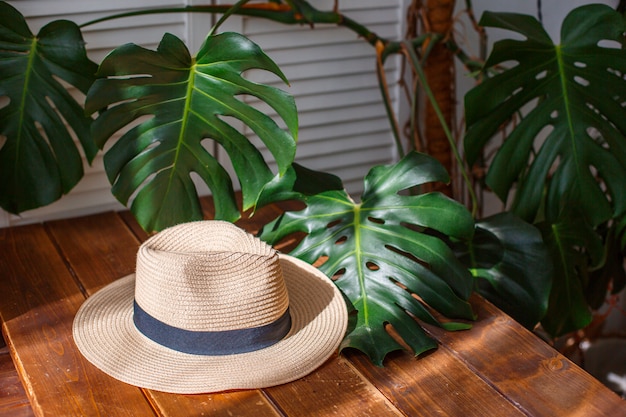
[387, 253]
[174, 108]
[39, 117]
[567, 144]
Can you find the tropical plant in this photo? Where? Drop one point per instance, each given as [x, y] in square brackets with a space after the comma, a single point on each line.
[38, 160]
[383, 250]
[187, 100]
[564, 158]
[400, 254]
[167, 103]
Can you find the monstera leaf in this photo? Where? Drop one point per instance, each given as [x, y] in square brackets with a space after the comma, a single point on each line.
[39, 161]
[386, 253]
[297, 183]
[575, 92]
[512, 266]
[176, 104]
[576, 248]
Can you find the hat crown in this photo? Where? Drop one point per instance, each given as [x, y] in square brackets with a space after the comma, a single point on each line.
[209, 276]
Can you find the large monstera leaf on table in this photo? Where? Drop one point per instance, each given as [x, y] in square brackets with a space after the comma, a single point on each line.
[576, 90]
[387, 254]
[177, 103]
[39, 118]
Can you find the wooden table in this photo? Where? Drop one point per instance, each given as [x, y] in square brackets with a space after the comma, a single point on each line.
[47, 270]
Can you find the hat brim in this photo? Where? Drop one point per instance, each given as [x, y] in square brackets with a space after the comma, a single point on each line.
[105, 334]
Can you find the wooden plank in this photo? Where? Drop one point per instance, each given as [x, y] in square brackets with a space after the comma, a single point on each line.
[13, 399]
[98, 248]
[436, 383]
[112, 255]
[334, 389]
[497, 360]
[40, 299]
[527, 370]
[227, 404]
[132, 224]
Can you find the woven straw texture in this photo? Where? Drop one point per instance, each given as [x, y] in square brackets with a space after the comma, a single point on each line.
[211, 275]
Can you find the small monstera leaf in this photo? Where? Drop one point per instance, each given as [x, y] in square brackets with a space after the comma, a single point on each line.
[177, 103]
[386, 253]
[39, 161]
[575, 248]
[512, 266]
[297, 183]
[576, 90]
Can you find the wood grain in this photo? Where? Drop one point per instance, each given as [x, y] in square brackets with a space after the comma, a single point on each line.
[437, 383]
[527, 370]
[40, 299]
[97, 249]
[335, 389]
[227, 404]
[13, 399]
[497, 368]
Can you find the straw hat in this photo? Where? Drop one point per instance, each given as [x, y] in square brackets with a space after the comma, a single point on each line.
[211, 308]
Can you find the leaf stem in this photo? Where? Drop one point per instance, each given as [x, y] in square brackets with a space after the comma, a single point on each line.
[232, 10]
[384, 91]
[408, 47]
[359, 262]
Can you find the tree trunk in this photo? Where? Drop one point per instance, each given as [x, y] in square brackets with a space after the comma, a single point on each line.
[439, 70]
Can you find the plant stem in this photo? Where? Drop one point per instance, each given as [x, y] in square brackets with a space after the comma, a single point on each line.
[482, 34]
[384, 91]
[300, 13]
[422, 77]
[232, 10]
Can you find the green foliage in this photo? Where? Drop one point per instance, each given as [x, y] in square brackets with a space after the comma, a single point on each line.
[391, 253]
[185, 101]
[577, 90]
[576, 248]
[297, 183]
[384, 250]
[511, 264]
[38, 160]
[610, 277]
[565, 155]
